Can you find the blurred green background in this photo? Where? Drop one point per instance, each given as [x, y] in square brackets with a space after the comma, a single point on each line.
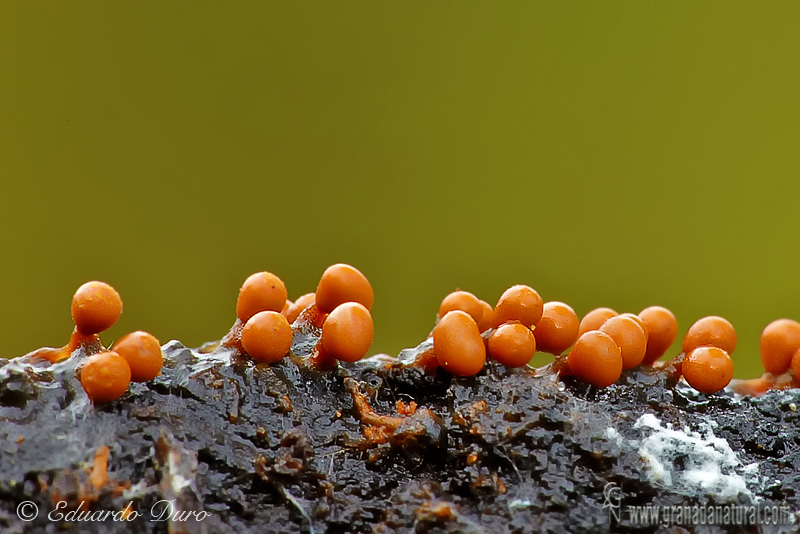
[608, 154]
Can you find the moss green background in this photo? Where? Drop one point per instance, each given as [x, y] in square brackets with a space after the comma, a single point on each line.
[618, 154]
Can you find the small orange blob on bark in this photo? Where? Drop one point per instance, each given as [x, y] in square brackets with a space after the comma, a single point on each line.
[595, 319]
[51, 354]
[267, 337]
[302, 302]
[512, 344]
[464, 301]
[779, 342]
[96, 306]
[707, 369]
[342, 283]
[260, 292]
[596, 359]
[710, 331]
[796, 364]
[662, 329]
[458, 344]
[558, 328]
[99, 473]
[347, 332]
[142, 351]
[518, 303]
[754, 387]
[105, 377]
[630, 338]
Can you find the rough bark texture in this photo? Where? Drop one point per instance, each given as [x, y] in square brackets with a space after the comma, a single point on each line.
[284, 448]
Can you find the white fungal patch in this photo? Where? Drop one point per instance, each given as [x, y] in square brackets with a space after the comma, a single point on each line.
[613, 435]
[691, 462]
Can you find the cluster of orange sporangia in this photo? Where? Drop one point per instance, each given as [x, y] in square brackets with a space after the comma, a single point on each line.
[340, 308]
[107, 373]
[601, 345]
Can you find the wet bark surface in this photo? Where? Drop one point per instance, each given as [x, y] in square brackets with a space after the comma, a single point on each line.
[221, 445]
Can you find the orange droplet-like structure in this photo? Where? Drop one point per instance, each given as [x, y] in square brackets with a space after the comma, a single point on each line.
[638, 321]
[707, 369]
[518, 303]
[142, 351]
[710, 331]
[267, 336]
[779, 342]
[796, 364]
[595, 319]
[260, 292]
[662, 329]
[96, 307]
[487, 316]
[347, 332]
[105, 377]
[512, 344]
[458, 344]
[302, 302]
[557, 330]
[464, 301]
[629, 337]
[596, 359]
[342, 283]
